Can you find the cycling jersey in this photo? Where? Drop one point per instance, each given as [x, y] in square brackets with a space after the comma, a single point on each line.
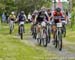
[21, 17]
[12, 17]
[57, 17]
[41, 17]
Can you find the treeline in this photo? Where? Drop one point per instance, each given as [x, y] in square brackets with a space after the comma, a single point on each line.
[26, 5]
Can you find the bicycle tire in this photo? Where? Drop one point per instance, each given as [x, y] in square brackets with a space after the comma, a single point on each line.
[60, 41]
[21, 32]
[45, 39]
[10, 31]
[39, 41]
[21, 35]
[56, 42]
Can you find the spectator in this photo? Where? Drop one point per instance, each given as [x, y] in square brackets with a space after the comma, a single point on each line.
[3, 18]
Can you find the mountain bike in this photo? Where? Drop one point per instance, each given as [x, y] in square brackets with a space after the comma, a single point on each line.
[44, 37]
[58, 40]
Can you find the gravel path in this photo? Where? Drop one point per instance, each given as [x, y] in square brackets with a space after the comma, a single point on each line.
[65, 54]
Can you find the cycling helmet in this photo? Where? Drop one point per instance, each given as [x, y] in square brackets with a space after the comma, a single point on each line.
[35, 12]
[43, 9]
[12, 13]
[58, 9]
[22, 12]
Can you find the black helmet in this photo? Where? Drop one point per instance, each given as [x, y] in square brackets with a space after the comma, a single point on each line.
[58, 9]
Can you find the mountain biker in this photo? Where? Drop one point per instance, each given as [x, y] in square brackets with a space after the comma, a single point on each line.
[33, 22]
[42, 16]
[12, 16]
[57, 14]
[12, 19]
[21, 18]
[49, 14]
[49, 23]
[34, 16]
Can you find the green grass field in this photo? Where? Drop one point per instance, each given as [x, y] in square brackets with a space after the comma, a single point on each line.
[70, 34]
[11, 48]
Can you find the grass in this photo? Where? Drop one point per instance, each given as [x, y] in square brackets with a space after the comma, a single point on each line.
[12, 48]
[70, 37]
[70, 34]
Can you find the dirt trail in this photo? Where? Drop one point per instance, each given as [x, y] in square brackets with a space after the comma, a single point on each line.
[65, 54]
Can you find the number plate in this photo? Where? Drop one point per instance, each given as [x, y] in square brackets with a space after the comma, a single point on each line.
[21, 23]
[59, 25]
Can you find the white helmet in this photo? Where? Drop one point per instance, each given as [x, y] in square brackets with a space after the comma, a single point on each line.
[12, 13]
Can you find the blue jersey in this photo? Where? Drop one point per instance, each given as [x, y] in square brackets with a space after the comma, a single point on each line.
[21, 18]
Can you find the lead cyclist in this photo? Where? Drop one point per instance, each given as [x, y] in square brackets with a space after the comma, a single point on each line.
[57, 14]
[42, 18]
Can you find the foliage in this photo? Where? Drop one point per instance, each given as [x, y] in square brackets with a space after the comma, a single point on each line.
[26, 5]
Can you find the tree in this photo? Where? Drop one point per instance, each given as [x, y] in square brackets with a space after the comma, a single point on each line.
[26, 5]
[31, 5]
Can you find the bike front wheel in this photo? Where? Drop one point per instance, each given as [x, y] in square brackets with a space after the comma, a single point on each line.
[60, 41]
